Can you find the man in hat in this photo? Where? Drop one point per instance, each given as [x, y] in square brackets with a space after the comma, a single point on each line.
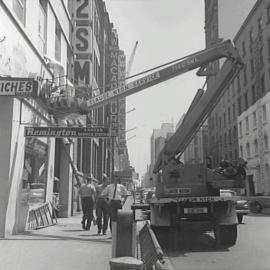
[87, 192]
[102, 206]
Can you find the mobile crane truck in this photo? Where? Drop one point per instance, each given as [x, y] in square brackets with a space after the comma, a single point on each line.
[187, 196]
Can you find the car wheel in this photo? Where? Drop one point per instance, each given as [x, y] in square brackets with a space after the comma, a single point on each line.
[240, 218]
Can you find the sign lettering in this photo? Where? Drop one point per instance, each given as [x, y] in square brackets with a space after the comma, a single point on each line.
[62, 132]
[18, 87]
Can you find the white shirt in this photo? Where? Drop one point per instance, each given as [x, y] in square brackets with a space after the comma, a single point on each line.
[121, 191]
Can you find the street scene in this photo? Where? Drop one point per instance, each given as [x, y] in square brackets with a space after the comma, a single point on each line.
[134, 134]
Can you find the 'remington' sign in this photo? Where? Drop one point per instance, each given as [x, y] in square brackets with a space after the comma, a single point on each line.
[24, 87]
[62, 132]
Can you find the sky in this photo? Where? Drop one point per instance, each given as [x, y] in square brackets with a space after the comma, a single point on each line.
[165, 30]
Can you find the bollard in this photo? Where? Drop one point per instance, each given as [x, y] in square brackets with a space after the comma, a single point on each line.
[124, 235]
[126, 263]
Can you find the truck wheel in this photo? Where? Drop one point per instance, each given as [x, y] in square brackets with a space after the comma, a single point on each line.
[225, 235]
[240, 218]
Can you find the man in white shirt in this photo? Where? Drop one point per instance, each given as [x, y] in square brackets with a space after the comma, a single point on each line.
[115, 191]
[87, 192]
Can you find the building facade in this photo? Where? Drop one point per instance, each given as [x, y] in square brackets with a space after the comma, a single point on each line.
[29, 50]
[238, 124]
[64, 49]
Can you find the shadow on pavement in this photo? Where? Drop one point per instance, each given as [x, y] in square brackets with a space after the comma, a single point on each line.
[35, 236]
[189, 243]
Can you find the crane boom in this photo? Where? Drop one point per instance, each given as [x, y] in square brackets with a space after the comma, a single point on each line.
[196, 60]
[131, 59]
[197, 114]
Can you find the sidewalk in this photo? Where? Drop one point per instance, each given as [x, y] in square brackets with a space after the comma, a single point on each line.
[63, 246]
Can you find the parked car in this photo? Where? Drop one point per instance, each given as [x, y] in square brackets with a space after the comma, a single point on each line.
[259, 203]
[242, 207]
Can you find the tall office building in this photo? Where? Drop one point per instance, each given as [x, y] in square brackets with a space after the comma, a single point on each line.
[238, 124]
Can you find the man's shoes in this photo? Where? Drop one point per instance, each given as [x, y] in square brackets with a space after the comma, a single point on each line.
[99, 232]
[83, 225]
[104, 233]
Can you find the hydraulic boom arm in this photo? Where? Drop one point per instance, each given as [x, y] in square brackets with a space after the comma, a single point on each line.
[196, 60]
[201, 106]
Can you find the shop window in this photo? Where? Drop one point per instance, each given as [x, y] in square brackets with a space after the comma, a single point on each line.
[246, 100]
[245, 75]
[253, 92]
[239, 106]
[35, 170]
[263, 84]
[19, 7]
[234, 132]
[241, 150]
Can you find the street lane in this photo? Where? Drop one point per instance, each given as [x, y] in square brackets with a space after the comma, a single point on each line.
[250, 252]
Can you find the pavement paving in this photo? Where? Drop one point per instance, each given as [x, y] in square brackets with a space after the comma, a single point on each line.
[64, 246]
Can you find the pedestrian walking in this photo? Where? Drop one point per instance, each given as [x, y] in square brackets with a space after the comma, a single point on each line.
[102, 207]
[115, 191]
[87, 192]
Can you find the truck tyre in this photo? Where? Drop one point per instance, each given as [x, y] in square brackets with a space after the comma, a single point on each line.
[225, 235]
[240, 219]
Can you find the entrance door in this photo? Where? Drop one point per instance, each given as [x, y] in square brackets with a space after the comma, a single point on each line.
[251, 185]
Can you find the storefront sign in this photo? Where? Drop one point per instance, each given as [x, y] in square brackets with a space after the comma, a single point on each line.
[24, 87]
[62, 132]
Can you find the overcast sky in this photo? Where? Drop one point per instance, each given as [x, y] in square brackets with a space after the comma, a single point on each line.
[166, 30]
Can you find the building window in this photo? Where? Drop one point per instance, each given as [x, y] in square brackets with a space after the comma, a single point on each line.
[234, 132]
[224, 119]
[259, 22]
[245, 75]
[252, 69]
[57, 41]
[240, 129]
[247, 125]
[263, 84]
[256, 146]
[230, 136]
[239, 106]
[243, 48]
[248, 149]
[254, 120]
[234, 111]
[42, 25]
[268, 48]
[241, 150]
[265, 141]
[229, 115]
[238, 83]
[19, 7]
[268, 15]
[253, 91]
[225, 139]
[264, 113]
[220, 125]
[246, 100]
[251, 41]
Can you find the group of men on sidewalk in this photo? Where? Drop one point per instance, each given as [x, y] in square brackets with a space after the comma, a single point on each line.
[99, 196]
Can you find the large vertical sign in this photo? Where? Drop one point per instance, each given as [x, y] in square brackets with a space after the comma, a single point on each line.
[122, 103]
[82, 42]
[114, 50]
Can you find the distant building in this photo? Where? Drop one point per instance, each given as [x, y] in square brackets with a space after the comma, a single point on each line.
[157, 142]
